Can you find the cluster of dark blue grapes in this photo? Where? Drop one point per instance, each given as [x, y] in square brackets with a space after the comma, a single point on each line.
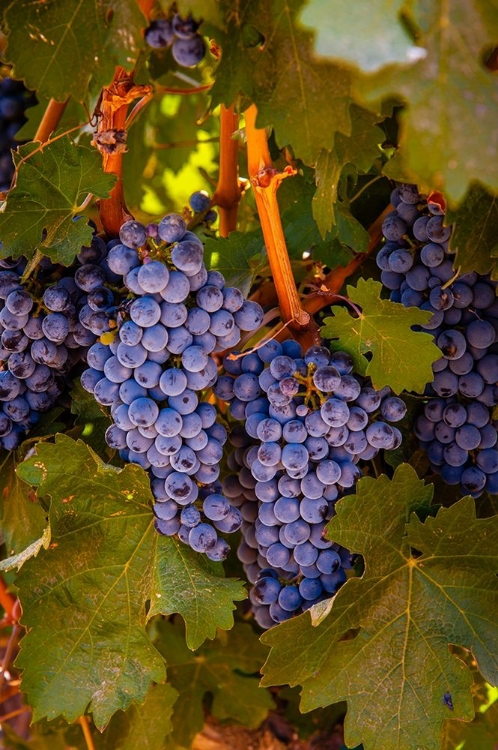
[308, 421]
[187, 45]
[200, 202]
[456, 427]
[14, 99]
[41, 336]
[152, 368]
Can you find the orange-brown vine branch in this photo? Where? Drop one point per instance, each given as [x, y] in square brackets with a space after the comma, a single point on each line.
[8, 601]
[265, 180]
[85, 726]
[110, 139]
[146, 6]
[227, 193]
[50, 120]
[336, 278]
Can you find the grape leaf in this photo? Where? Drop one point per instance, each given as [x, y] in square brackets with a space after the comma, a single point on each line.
[74, 114]
[282, 76]
[226, 668]
[474, 232]
[295, 199]
[59, 49]
[23, 520]
[41, 211]
[238, 258]
[17, 561]
[401, 358]
[360, 148]
[369, 36]
[208, 10]
[91, 421]
[37, 740]
[107, 561]
[143, 726]
[449, 94]
[394, 666]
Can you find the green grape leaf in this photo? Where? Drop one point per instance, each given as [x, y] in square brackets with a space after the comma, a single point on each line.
[449, 94]
[474, 233]
[400, 357]
[17, 561]
[23, 520]
[188, 583]
[74, 114]
[208, 10]
[227, 668]
[327, 174]
[348, 230]
[37, 741]
[144, 726]
[369, 36]
[360, 148]
[382, 643]
[41, 212]
[281, 76]
[91, 421]
[238, 258]
[107, 561]
[300, 228]
[60, 49]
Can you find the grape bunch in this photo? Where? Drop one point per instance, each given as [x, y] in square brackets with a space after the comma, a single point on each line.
[187, 45]
[153, 368]
[200, 202]
[456, 427]
[307, 423]
[41, 336]
[14, 99]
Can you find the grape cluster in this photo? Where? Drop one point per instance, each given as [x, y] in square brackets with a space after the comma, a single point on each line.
[41, 336]
[150, 372]
[187, 45]
[456, 427]
[308, 421]
[14, 99]
[200, 202]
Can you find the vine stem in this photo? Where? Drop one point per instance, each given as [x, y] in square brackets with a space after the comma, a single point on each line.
[50, 120]
[146, 7]
[113, 110]
[13, 714]
[336, 278]
[86, 732]
[184, 92]
[265, 180]
[8, 602]
[227, 193]
[184, 144]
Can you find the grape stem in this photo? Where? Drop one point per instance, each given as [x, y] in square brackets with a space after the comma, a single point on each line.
[266, 180]
[184, 144]
[146, 6]
[184, 92]
[336, 278]
[48, 124]
[86, 732]
[112, 116]
[227, 193]
[50, 120]
[14, 713]
[342, 298]
[8, 602]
